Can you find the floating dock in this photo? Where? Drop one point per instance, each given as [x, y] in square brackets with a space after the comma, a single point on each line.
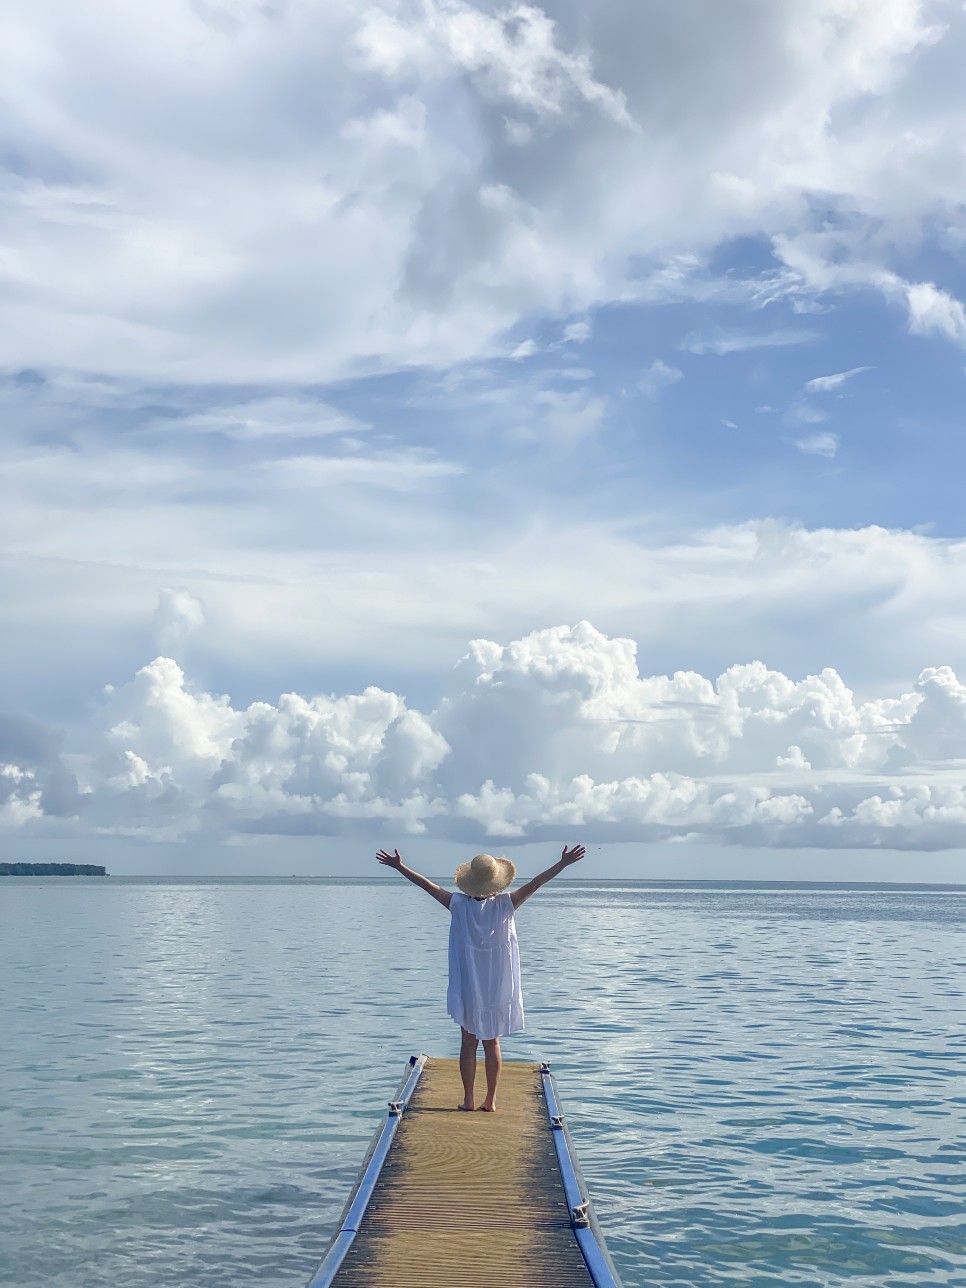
[448, 1199]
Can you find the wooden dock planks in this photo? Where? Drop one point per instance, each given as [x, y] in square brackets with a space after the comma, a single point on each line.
[468, 1200]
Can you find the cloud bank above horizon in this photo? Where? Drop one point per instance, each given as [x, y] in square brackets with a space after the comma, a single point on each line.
[557, 732]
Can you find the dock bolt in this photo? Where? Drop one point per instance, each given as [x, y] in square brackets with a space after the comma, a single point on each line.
[395, 1108]
[556, 1120]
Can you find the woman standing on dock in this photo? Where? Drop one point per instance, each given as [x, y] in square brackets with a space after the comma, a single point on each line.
[484, 996]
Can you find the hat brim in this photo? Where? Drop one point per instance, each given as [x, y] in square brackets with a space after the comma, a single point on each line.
[477, 890]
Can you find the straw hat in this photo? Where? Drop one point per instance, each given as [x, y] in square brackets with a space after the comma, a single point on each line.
[485, 875]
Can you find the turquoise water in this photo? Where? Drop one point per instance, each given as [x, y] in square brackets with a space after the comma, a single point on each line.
[765, 1084]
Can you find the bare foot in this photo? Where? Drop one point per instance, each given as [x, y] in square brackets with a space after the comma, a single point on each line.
[468, 1107]
[487, 1109]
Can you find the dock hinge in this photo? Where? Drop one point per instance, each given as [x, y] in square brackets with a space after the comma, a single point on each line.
[579, 1216]
[556, 1120]
[395, 1109]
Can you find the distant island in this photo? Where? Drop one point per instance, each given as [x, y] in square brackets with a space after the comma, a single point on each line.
[51, 870]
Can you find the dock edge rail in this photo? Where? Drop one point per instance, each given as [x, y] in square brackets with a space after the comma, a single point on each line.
[359, 1198]
[583, 1220]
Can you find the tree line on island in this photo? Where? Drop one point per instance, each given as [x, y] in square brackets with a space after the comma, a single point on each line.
[51, 870]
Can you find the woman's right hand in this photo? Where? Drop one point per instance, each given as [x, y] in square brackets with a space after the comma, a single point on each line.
[572, 856]
[393, 860]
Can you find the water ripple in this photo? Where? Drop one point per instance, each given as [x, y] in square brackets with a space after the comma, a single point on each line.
[765, 1085]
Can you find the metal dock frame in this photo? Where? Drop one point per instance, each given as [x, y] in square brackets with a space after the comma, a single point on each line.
[359, 1198]
[587, 1260]
[582, 1217]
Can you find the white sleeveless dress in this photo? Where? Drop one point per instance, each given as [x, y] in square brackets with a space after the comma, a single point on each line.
[484, 993]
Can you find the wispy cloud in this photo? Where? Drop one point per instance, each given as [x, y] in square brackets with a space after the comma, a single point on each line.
[577, 332]
[273, 416]
[659, 375]
[805, 414]
[526, 349]
[571, 415]
[825, 384]
[721, 344]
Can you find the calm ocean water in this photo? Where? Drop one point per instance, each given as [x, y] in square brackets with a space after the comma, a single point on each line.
[765, 1084]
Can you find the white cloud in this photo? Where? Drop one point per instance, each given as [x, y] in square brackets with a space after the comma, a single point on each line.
[659, 375]
[576, 332]
[234, 223]
[825, 384]
[279, 415]
[837, 260]
[931, 309]
[514, 55]
[805, 414]
[21, 798]
[818, 444]
[558, 731]
[723, 344]
[179, 615]
[525, 349]
[35, 783]
[324, 191]
[571, 415]
[300, 567]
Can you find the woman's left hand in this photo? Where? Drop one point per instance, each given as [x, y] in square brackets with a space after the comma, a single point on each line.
[393, 860]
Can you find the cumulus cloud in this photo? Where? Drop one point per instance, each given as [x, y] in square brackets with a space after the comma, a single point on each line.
[34, 779]
[558, 731]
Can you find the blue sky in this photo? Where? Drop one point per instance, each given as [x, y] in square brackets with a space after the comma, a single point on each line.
[485, 424]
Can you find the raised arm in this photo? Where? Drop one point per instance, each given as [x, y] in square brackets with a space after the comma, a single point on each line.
[522, 893]
[394, 861]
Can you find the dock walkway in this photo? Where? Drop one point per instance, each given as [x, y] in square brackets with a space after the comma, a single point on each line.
[448, 1199]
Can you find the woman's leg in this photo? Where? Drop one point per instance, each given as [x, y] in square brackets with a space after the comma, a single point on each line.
[493, 1063]
[468, 1045]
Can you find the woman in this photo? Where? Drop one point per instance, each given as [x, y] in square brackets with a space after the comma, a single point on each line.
[484, 996]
